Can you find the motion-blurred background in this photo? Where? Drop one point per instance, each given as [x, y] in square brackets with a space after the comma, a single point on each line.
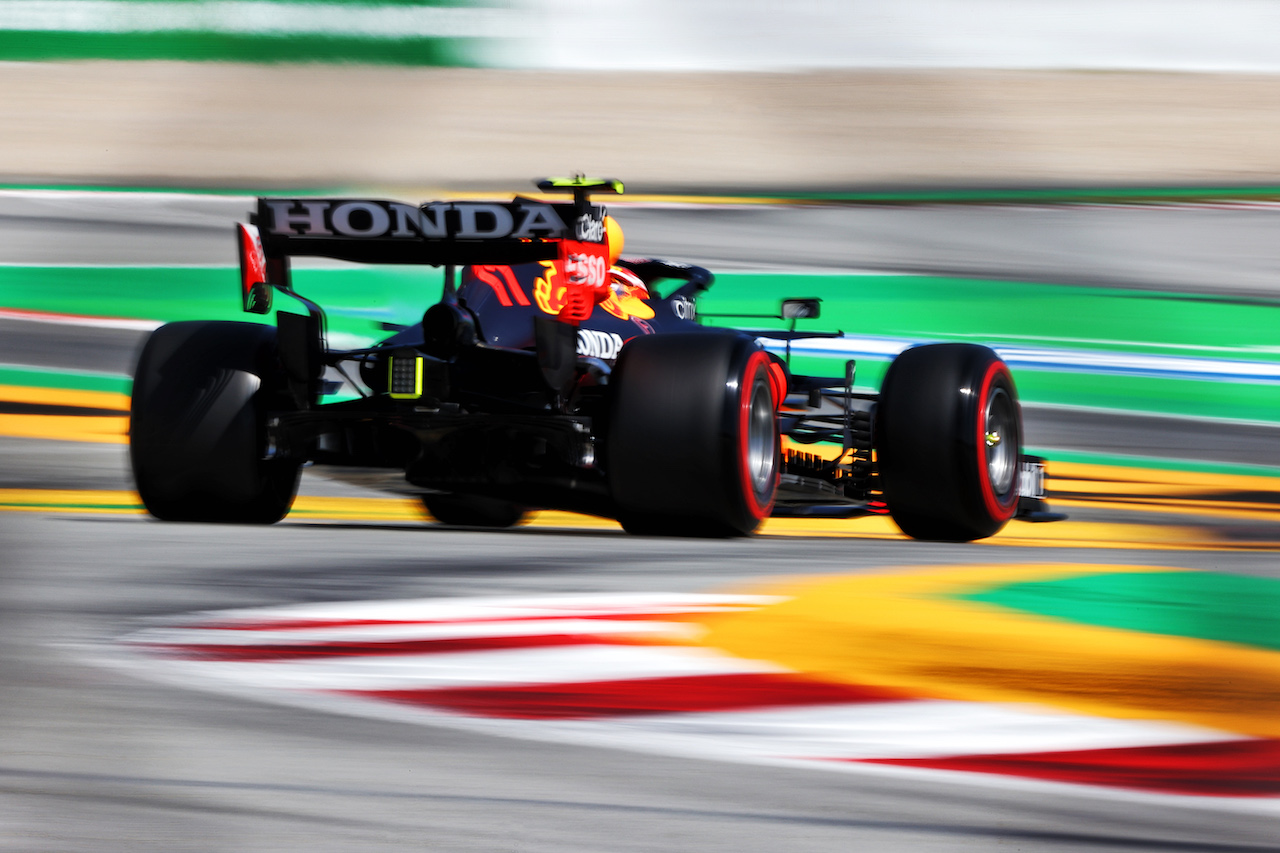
[1090, 186]
[812, 94]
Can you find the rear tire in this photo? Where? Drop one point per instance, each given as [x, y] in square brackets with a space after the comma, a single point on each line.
[197, 434]
[693, 446]
[473, 510]
[949, 442]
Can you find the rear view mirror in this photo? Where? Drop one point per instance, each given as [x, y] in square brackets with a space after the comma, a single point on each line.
[801, 309]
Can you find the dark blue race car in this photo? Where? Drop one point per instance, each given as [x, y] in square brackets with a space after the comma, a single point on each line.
[554, 373]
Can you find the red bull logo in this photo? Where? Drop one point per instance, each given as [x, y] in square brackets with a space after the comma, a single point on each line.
[625, 299]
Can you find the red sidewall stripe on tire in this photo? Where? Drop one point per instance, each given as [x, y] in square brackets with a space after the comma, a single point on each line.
[758, 361]
[997, 510]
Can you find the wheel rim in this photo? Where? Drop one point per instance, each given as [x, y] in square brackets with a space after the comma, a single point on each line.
[1001, 440]
[761, 437]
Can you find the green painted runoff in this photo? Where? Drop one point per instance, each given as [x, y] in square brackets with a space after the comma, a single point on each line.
[901, 306]
[361, 300]
[69, 380]
[1013, 312]
[1200, 605]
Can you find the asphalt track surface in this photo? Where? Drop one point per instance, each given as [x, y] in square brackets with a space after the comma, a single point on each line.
[96, 759]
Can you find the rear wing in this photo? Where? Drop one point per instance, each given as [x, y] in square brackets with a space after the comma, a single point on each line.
[374, 231]
[388, 232]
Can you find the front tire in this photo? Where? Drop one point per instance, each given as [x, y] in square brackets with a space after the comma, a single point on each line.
[949, 442]
[693, 446]
[197, 432]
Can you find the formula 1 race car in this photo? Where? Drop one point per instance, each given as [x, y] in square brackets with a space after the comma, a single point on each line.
[554, 374]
